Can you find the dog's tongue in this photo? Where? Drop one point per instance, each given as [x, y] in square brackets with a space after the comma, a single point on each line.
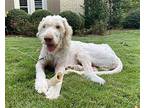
[50, 48]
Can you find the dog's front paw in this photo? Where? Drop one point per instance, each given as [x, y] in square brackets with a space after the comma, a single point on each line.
[41, 85]
[53, 91]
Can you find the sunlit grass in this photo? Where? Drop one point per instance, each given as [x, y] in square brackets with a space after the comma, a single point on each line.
[120, 91]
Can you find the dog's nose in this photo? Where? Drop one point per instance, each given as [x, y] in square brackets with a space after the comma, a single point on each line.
[48, 39]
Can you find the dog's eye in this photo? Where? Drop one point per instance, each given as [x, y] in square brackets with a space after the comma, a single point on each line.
[57, 26]
[44, 26]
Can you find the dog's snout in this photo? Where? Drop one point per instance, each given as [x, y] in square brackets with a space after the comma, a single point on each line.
[48, 39]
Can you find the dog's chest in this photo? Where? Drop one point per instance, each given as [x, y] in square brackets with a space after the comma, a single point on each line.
[54, 59]
[50, 59]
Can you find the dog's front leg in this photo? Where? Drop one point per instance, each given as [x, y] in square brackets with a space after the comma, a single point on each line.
[54, 91]
[40, 83]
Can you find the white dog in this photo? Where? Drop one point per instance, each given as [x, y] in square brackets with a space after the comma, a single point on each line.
[60, 52]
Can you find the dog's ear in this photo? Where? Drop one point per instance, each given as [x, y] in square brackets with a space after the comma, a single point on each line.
[37, 34]
[39, 26]
[68, 28]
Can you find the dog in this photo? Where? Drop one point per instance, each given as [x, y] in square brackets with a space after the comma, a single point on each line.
[60, 52]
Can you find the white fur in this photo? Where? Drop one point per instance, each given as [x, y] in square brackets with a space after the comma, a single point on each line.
[41, 84]
[54, 91]
[69, 53]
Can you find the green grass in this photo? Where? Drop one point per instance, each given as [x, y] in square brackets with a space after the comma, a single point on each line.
[120, 91]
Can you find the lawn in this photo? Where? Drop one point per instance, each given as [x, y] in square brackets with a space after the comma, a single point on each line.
[120, 91]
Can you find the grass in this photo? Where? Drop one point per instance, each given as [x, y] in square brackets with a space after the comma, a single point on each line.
[120, 91]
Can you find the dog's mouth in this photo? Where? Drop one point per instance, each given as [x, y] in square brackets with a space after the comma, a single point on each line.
[51, 47]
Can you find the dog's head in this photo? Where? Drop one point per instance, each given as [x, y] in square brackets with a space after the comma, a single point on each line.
[54, 32]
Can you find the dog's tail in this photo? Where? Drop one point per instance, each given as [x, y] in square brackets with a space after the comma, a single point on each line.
[116, 70]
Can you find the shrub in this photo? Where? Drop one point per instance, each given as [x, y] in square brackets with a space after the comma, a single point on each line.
[27, 29]
[14, 18]
[37, 16]
[73, 19]
[95, 10]
[82, 24]
[99, 27]
[132, 20]
[115, 13]
[96, 15]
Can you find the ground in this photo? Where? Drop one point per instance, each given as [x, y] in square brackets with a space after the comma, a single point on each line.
[120, 91]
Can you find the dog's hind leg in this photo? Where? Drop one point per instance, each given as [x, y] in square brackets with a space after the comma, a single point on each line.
[84, 59]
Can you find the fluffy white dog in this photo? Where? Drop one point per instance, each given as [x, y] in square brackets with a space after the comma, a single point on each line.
[60, 52]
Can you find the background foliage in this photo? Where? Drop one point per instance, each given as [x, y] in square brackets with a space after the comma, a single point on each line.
[132, 20]
[15, 21]
[73, 19]
[99, 16]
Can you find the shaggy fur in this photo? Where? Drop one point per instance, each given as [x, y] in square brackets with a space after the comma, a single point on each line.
[60, 52]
